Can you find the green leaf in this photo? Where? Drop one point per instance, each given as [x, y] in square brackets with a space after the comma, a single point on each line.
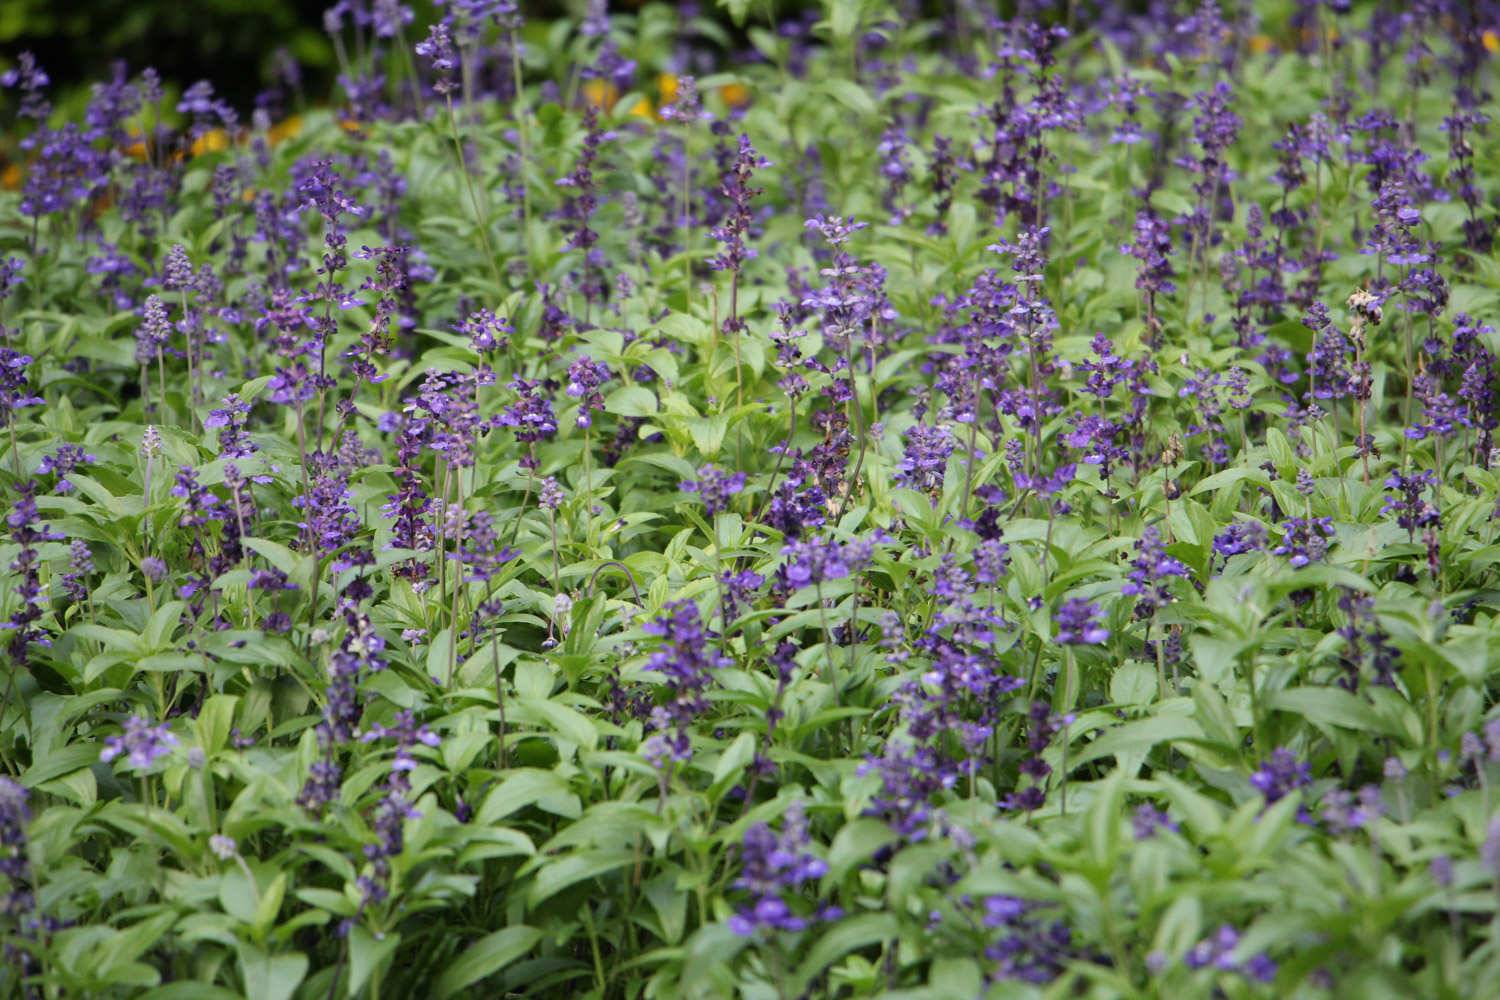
[855, 842]
[1133, 683]
[270, 977]
[845, 936]
[560, 873]
[1330, 706]
[851, 95]
[1104, 821]
[631, 401]
[366, 954]
[546, 790]
[61, 762]
[1140, 736]
[569, 723]
[485, 957]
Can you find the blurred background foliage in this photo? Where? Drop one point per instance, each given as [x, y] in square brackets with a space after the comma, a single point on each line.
[237, 44]
[232, 42]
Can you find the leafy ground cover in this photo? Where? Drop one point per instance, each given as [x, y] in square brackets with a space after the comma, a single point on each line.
[951, 507]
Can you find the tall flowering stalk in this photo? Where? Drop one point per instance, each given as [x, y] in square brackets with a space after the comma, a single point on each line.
[437, 49]
[736, 189]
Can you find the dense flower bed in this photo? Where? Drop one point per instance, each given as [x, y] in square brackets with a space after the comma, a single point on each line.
[951, 507]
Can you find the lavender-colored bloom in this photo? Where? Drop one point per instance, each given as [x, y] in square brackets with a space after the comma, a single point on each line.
[1217, 952]
[909, 777]
[154, 569]
[389, 17]
[813, 561]
[15, 865]
[1147, 820]
[1304, 540]
[1078, 623]
[686, 660]
[774, 867]
[438, 52]
[1412, 512]
[64, 460]
[1489, 853]
[27, 531]
[1280, 774]
[482, 554]
[714, 487]
[270, 579]
[550, 495]
[1026, 947]
[142, 743]
[925, 458]
[229, 419]
[80, 567]
[486, 331]
[330, 520]
[30, 79]
[686, 106]
[1150, 570]
[15, 387]
[578, 211]
[991, 561]
[736, 190]
[1343, 812]
[177, 269]
[200, 504]
[531, 413]
[585, 376]
[1240, 537]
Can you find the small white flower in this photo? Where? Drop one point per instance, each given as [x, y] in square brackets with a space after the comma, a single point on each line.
[562, 612]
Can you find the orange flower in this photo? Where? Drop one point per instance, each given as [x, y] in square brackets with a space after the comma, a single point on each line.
[136, 150]
[10, 177]
[736, 95]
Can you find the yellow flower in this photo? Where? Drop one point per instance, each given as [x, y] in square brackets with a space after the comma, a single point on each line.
[1491, 41]
[1260, 44]
[10, 177]
[213, 141]
[601, 94]
[736, 95]
[642, 108]
[666, 87]
[285, 129]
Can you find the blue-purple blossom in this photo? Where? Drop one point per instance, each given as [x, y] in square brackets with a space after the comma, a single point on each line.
[714, 487]
[142, 744]
[585, 376]
[1280, 774]
[1150, 570]
[1078, 623]
[1304, 540]
[686, 660]
[775, 868]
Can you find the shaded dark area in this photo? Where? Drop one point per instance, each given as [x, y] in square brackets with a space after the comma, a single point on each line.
[231, 42]
[236, 44]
